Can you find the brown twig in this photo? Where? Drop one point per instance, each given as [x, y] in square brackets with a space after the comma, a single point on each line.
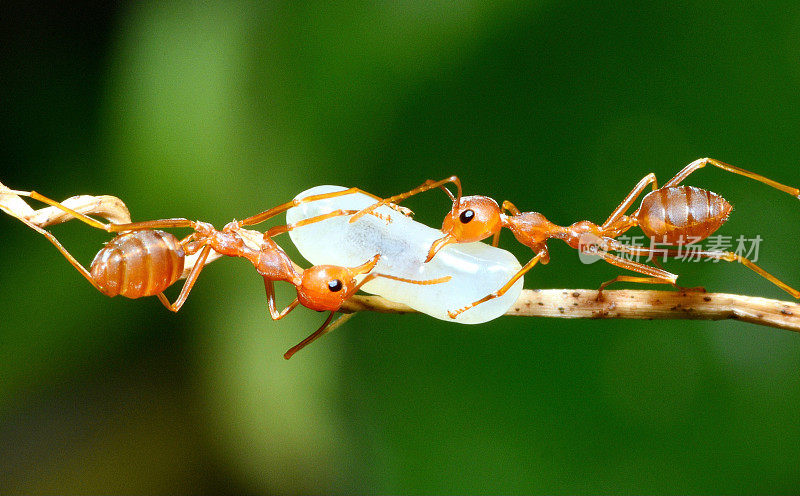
[558, 303]
[628, 304]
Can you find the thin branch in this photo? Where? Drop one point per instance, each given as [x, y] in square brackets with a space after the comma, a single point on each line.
[628, 304]
[558, 303]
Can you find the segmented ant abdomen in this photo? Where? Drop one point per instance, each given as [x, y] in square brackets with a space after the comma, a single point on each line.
[138, 263]
[682, 214]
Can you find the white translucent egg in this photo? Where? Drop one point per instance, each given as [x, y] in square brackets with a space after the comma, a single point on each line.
[476, 269]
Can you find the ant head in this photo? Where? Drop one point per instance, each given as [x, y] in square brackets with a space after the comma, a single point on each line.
[326, 287]
[472, 218]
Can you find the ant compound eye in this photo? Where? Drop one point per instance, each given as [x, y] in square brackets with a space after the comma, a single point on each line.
[466, 216]
[335, 285]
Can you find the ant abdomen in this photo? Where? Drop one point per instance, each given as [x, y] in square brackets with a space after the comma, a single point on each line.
[682, 214]
[138, 263]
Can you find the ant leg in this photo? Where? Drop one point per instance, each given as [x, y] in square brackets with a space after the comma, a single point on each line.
[500, 292]
[405, 211]
[274, 231]
[733, 257]
[423, 282]
[728, 257]
[510, 208]
[269, 286]
[698, 289]
[507, 207]
[85, 273]
[190, 280]
[647, 280]
[644, 280]
[654, 273]
[426, 186]
[639, 267]
[313, 337]
[150, 224]
[109, 207]
[272, 212]
[336, 323]
[699, 164]
[626, 203]
[12, 204]
[601, 250]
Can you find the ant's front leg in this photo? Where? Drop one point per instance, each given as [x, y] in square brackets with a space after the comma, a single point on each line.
[426, 186]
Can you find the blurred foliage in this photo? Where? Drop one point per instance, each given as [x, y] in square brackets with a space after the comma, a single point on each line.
[216, 111]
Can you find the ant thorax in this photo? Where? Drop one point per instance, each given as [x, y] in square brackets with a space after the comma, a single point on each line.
[532, 229]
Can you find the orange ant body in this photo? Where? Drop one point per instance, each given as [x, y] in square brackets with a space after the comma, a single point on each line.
[144, 261]
[671, 214]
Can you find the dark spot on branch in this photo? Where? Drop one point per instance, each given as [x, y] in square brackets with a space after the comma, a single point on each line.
[576, 294]
[786, 311]
[706, 298]
[561, 309]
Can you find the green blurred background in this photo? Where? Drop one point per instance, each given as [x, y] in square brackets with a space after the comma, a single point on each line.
[217, 111]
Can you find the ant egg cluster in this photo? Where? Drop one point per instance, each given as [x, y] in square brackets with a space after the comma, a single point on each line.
[476, 269]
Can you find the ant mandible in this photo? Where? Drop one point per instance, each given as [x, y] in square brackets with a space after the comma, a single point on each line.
[144, 261]
[671, 213]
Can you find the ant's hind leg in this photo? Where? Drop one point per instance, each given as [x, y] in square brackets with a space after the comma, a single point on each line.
[699, 164]
[720, 255]
[733, 257]
[85, 273]
[111, 227]
[110, 208]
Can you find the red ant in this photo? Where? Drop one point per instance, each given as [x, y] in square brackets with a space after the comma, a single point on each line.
[671, 213]
[144, 261]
